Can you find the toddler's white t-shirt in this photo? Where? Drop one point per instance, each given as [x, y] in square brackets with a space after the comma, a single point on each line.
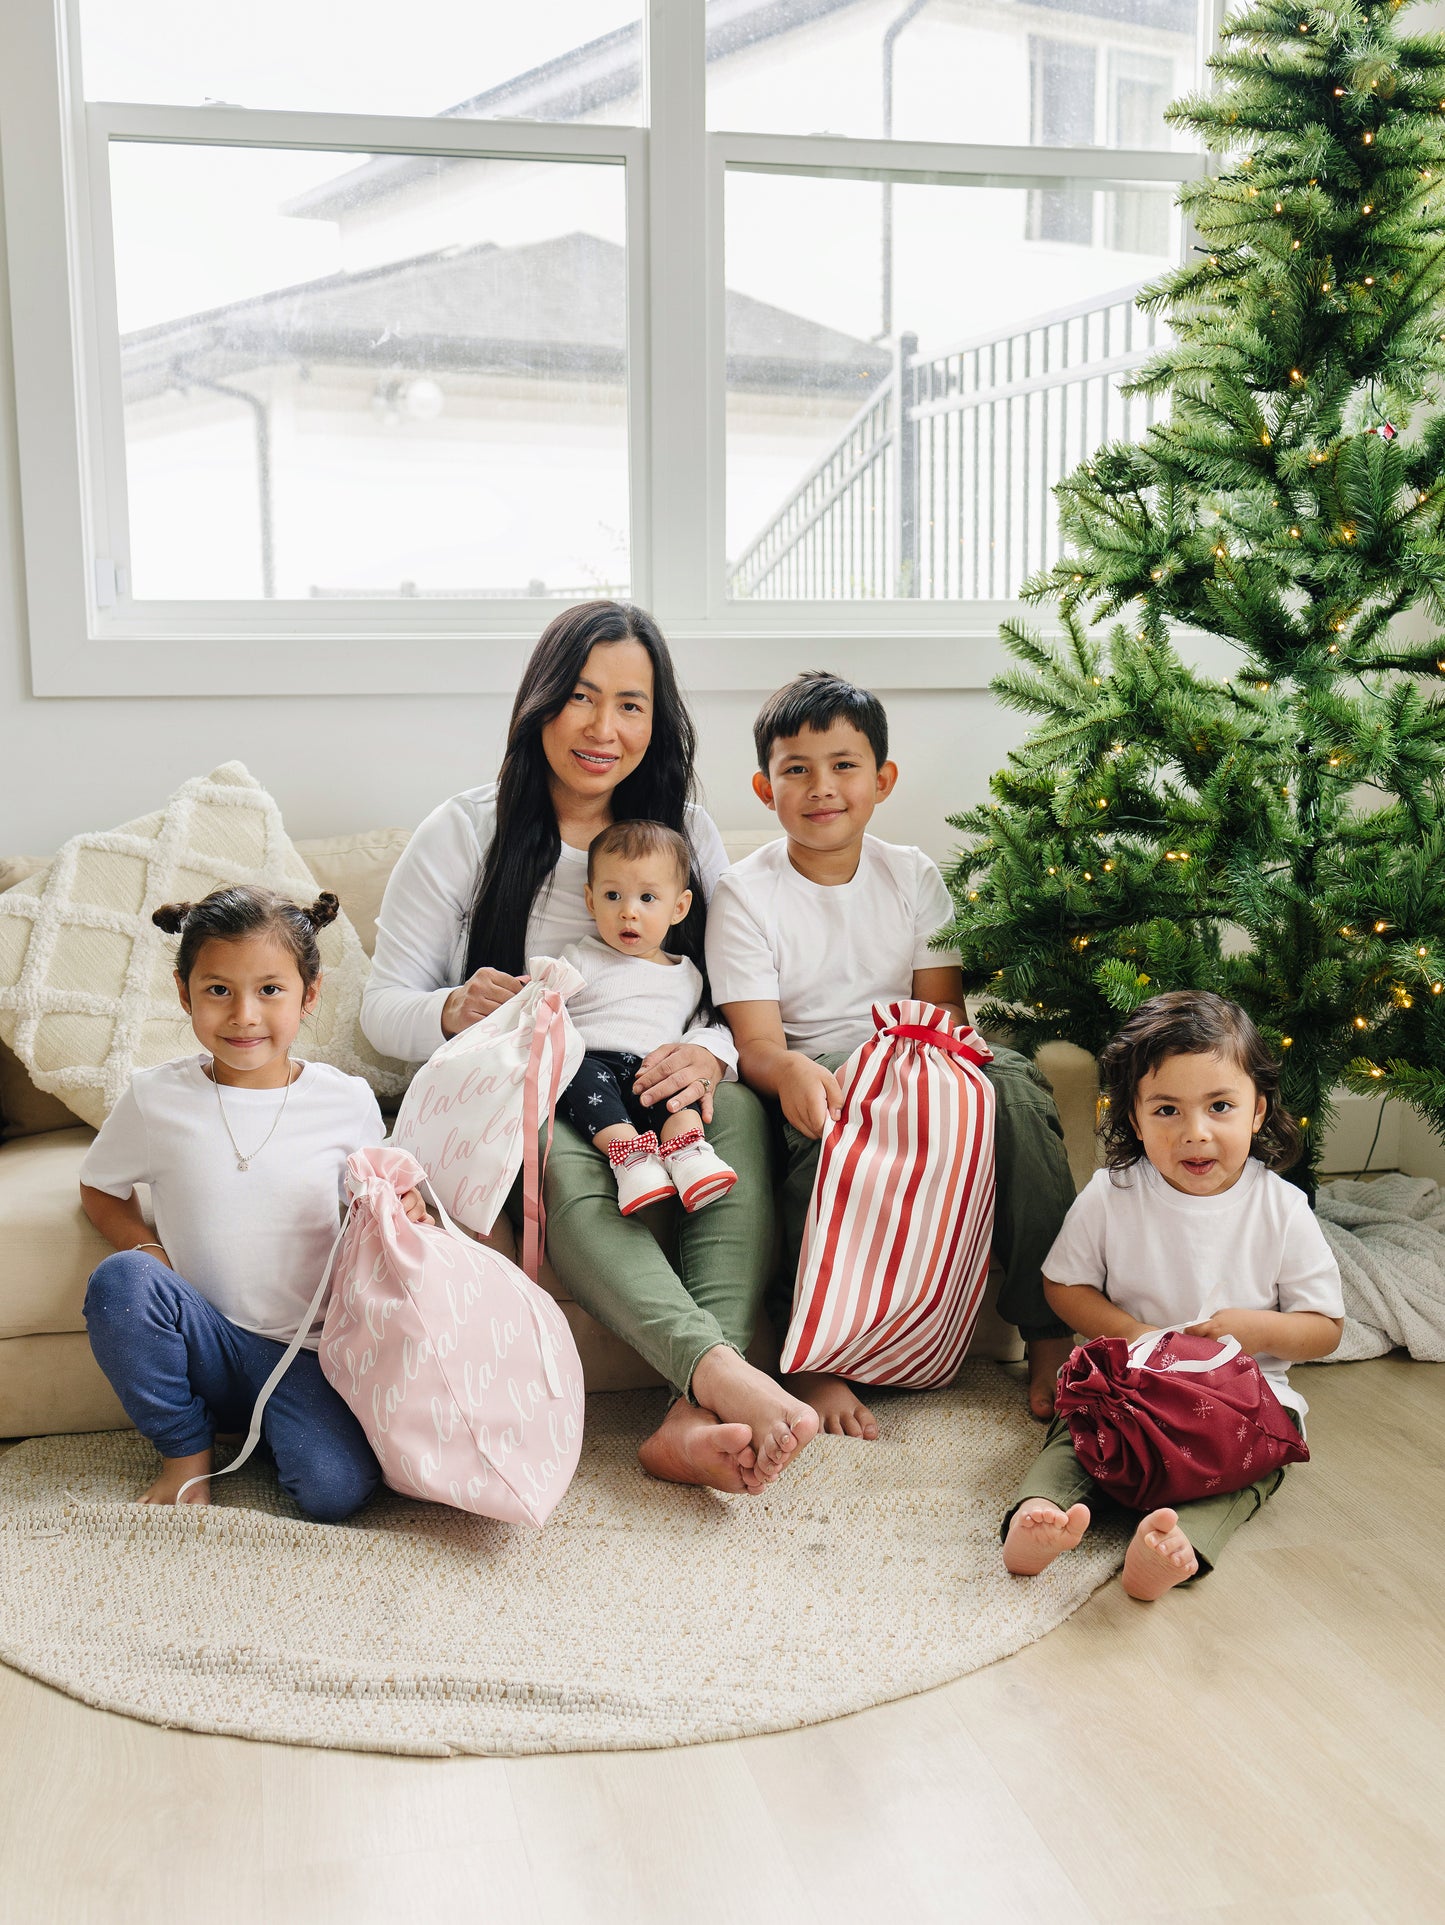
[631, 1005]
[825, 953]
[1168, 1258]
[253, 1242]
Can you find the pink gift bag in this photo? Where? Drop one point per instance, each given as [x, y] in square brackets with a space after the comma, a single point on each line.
[896, 1244]
[472, 1114]
[463, 1374]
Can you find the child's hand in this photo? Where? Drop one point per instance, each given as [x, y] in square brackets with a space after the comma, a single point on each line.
[810, 1095]
[1247, 1327]
[416, 1210]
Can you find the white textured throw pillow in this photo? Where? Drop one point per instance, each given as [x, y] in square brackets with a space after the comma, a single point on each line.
[87, 994]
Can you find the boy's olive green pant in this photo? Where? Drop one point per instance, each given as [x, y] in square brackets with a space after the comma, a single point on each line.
[671, 1309]
[1208, 1522]
[1034, 1189]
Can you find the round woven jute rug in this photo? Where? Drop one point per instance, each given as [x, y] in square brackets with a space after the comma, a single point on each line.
[645, 1614]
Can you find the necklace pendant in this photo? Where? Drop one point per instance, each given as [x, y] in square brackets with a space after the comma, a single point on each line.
[243, 1162]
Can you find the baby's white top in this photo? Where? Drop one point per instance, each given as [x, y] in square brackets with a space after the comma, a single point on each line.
[825, 954]
[421, 933]
[254, 1242]
[634, 1006]
[1168, 1258]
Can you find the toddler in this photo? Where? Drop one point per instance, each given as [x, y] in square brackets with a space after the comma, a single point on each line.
[1187, 1225]
[636, 998]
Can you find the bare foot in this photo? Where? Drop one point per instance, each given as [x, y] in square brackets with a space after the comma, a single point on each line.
[781, 1424]
[841, 1412]
[1159, 1557]
[1038, 1531]
[1047, 1356]
[174, 1472]
[690, 1446]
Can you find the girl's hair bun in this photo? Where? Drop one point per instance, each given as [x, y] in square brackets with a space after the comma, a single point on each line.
[171, 915]
[324, 910]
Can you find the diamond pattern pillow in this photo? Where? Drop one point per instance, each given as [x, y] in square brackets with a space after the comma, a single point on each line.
[86, 989]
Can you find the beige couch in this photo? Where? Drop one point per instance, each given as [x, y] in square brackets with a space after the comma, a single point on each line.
[48, 1379]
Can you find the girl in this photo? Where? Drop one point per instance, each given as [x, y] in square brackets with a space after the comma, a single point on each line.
[635, 998]
[1188, 1224]
[245, 1154]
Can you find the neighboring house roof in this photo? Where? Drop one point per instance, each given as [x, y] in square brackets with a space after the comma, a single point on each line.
[574, 86]
[549, 310]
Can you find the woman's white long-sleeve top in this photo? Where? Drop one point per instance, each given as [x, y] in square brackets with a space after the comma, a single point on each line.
[421, 933]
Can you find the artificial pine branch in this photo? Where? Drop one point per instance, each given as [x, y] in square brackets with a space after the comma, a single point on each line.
[1278, 835]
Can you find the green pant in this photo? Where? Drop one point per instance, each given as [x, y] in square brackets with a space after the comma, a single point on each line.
[1034, 1189]
[670, 1312]
[1208, 1522]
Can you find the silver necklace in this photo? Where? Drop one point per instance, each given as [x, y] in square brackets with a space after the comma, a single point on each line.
[245, 1158]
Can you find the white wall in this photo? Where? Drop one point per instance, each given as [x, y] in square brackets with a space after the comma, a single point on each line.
[347, 762]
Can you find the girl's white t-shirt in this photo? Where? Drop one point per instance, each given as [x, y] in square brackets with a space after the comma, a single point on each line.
[253, 1242]
[1169, 1258]
[826, 953]
[421, 933]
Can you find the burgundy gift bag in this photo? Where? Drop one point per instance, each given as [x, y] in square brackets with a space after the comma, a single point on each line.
[1170, 1417]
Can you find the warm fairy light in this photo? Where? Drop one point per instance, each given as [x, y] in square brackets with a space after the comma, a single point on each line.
[1157, 574]
[1264, 437]
[1360, 1023]
[1103, 803]
[1279, 207]
[1219, 551]
[1334, 761]
[1053, 872]
[1347, 931]
[1087, 876]
[1435, 988]
[1108, 865]
[1368, 138]
[1295, 375]
[1368, 208]
[1294, 533]
[1369, 278]
[973, 895]
[1286, 1042]
[1420, 952]
[1376, 1072]
[1294, 244]
[1380, 928]
[1340, 94]
[1334, 648]
[1324, 287]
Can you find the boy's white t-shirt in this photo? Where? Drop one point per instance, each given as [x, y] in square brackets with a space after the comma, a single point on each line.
[825, 954]
[253, 1242]
[631, 1005]
[1169, 1258]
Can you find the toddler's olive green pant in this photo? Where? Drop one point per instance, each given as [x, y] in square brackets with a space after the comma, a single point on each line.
[671, 1312]
[1034, 1189]
[1208, 1522]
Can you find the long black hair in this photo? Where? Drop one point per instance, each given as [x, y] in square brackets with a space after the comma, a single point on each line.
[526, 843]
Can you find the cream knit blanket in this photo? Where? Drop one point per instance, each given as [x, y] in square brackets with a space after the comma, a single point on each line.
[1388, 1237]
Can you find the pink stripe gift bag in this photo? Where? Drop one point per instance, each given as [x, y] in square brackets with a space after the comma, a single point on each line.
[896, 1244]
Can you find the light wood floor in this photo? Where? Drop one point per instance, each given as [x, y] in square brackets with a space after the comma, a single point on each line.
[1266, 1747]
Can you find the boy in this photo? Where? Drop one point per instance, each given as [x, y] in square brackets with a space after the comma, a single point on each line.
[805, 935]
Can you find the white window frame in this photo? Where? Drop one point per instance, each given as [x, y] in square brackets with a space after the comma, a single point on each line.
[86, 639]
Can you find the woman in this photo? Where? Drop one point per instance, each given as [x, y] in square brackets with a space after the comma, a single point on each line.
[599, 733]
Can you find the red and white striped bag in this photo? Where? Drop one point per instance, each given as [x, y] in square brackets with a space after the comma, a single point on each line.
[896, 1245]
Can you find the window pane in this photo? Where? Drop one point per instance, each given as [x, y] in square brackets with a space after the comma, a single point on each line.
[1060, 73]
[358, 376]
[548, 60]
[1013, 326]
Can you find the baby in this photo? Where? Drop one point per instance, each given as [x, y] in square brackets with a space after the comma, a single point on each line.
[636, 999]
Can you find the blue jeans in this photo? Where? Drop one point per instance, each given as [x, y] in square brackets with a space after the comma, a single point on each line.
[182, 1372]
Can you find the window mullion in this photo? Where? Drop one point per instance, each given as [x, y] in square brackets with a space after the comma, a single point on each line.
[678, 310]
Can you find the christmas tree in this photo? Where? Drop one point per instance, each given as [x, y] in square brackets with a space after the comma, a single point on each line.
[1278, 834]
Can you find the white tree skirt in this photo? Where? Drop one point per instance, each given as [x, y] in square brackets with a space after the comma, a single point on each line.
[645, 1614]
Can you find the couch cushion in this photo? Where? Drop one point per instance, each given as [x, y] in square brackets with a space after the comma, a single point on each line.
[356, 869]
[25, 1110]
[50, 1246]
[86, 990]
